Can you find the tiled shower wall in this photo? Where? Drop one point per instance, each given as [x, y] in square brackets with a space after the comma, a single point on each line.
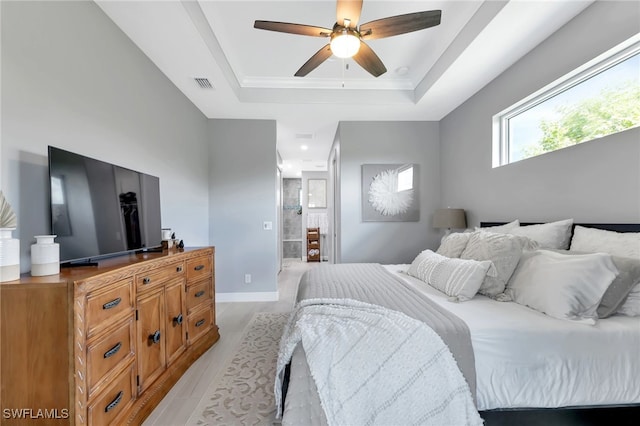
[291, 219]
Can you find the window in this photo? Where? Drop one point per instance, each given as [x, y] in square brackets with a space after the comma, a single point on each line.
[596, 100]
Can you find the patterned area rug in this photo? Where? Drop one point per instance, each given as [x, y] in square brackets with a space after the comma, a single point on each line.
[243, 392]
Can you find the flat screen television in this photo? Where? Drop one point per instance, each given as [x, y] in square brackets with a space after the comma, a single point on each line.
[99, 209]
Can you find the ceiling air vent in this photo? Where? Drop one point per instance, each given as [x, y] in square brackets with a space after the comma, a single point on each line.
[204, 83]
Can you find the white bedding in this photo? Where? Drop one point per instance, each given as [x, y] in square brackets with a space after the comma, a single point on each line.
[527, 359]
[413, 379]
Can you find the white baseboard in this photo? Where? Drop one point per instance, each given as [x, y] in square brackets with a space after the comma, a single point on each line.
[264, 296]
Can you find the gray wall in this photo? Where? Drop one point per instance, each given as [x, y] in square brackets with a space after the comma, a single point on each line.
[382, 143]
[72, 79]
[242, 190]
[597, 181]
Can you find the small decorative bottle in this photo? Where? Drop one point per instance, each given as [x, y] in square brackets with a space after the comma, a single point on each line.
[9, 256]
[45, 256]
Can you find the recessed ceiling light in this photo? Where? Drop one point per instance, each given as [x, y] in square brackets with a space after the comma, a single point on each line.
[304, 147]
[289, 166]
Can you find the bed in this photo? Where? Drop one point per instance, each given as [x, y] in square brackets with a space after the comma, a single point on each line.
[528, 367]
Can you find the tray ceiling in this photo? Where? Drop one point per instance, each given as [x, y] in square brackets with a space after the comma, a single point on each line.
[430, 72]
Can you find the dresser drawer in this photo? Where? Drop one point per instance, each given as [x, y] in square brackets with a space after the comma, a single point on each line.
[198, 268]
[199, 322]
[107, 304]
[106, 407]
[159, 276]
[107, 351]
[198, 293]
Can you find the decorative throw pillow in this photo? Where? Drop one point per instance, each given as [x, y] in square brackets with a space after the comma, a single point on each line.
[626, 244]
[457, 278]
[526, 243]
[552, 235]
[631, 305]
[504, 250]
[501, 228]
[628, 277]
[562, 286]
[453, 245]
[620, 289]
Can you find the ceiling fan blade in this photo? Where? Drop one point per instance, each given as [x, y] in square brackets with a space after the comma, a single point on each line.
[401, 24]
[368, 60]
[285, 27]
[348, 9]
[319, 57]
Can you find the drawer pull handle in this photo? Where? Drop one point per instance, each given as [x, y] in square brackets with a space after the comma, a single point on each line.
[146, 280]
[199, 323]
[179, 269]
[113, 350]
[113, 403]
[178, 319]
[115, 302]
[199, 268]
[200, 293]
[155, 337]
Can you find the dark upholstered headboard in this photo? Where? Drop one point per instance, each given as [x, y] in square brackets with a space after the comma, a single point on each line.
[618, 227]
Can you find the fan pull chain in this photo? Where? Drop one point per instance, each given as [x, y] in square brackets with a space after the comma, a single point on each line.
[345, 66]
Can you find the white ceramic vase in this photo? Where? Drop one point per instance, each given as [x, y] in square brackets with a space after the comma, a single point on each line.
[9, 256]
[45, 256]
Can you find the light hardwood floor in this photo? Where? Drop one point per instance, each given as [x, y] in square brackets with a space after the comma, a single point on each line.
[178, 405]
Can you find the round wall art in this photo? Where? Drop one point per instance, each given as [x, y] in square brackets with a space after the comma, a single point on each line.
[384, 196]
[390, 193]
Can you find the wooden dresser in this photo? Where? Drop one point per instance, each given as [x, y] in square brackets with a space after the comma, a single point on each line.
[103, 345]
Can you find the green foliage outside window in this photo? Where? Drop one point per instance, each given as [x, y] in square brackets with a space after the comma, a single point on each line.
[613, 110]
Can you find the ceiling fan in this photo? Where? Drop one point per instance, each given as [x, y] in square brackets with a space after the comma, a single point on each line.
[347, 38]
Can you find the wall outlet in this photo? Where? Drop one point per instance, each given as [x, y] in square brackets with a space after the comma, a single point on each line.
[267, 226]
[247, 278]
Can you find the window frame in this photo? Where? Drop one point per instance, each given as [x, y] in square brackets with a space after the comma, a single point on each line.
[609, 59]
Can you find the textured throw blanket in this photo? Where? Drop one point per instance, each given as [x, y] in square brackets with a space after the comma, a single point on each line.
[372, 283]
[373, 365]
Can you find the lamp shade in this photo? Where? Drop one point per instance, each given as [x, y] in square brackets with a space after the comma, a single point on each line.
[449, 219]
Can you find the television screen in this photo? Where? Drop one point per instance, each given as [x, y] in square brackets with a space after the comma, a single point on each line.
[100, 209]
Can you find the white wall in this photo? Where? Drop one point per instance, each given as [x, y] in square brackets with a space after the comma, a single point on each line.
[242, 194]
[387, 143]
[597, 181]
[72, 79]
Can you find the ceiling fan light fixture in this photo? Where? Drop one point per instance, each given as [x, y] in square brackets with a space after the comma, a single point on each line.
[345, 43]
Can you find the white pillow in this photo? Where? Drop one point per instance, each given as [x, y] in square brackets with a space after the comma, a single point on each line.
[501, 228]
[562, 286]
[626, 244]
[552, 235]
[627, 279]
[453, 245]
[631, 306]
[457, 278]
[503, 250]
